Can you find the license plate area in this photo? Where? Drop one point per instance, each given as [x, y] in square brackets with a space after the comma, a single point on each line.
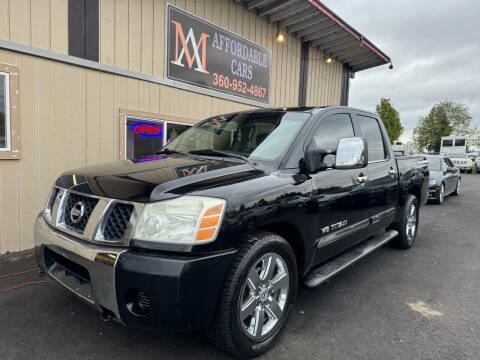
[70, 274]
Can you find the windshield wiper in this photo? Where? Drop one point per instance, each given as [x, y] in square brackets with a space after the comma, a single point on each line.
[169, 152]
[212, 152]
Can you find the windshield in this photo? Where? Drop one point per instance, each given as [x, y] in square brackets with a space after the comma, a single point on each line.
[462, 156]
[259, 135]
[434, 164]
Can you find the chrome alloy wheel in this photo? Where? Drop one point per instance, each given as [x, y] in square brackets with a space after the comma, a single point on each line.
[411, 226]
[264, 295]
[459, 183]
[442, 193]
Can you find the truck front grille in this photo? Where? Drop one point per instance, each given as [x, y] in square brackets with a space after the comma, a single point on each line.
[92, 218]
[78, 210]
[117, 221]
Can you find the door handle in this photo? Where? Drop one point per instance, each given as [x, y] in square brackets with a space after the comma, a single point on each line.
[362, 178]
[392, 171]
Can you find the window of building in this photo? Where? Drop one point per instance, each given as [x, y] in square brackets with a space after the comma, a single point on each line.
[9, 122]
[330, 131]
[5, 112]
[447, 142]
[371, 131]
[83, 29]
[146, 136]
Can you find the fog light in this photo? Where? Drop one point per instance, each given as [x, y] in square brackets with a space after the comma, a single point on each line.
[138, 303]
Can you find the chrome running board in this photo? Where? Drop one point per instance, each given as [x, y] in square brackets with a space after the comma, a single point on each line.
[339, 263]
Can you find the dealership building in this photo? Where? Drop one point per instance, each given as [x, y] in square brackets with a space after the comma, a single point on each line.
[89, 81]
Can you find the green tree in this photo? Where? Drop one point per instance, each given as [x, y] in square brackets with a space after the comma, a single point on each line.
[391, 119]
[445, 118]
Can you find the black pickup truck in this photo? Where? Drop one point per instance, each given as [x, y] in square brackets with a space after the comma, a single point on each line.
[216, 231]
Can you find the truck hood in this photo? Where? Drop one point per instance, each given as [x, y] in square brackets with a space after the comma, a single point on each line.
[155, 178]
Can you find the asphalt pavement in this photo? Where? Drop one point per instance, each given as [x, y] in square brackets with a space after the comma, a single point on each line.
[423, 303]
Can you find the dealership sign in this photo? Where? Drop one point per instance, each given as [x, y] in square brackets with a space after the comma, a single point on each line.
[203, 54]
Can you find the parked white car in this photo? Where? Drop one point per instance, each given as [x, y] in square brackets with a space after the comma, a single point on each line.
[461, 161]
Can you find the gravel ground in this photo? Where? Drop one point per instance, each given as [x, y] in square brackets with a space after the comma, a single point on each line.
[418, 304]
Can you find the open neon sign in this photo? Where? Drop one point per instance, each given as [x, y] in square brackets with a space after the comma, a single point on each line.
[147, 129]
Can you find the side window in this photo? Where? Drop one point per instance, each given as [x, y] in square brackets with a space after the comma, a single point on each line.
[330, 131]
[450, 163]
[371, 131]
[446, 163]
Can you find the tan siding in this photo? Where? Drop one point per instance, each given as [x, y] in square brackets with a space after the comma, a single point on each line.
[9, 190]
[46, 149]
[119, 102]
[107, 31]
[4, 20]
[93, 118]
[40, 29]
[134, 35]
[107, 118]
[159, 38]
[28, 164]
[121, 33]
[143, 96]
[58, 25]
[147, 36]
[77, 115]
[62, 120]
[20, 28]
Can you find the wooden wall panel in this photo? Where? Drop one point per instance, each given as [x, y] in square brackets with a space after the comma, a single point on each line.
[9, 190]
[46, 123]
[20, 27]
[134, 35]
[58, 25]
[77, 101]
[107, 31]
[107, 118]
[62, 126]
[122, 23]
[28, 164]
[159, 38]
[40, 10]
[4, 20]
[93, 125]
[147, 36]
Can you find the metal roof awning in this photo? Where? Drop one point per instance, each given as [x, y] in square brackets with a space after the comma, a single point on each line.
[313, 22]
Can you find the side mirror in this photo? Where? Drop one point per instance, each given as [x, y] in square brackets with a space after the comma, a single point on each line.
[314, 160]
[352, 153]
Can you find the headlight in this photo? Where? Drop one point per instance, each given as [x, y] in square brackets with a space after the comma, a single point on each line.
[185, 220]
[433, 182]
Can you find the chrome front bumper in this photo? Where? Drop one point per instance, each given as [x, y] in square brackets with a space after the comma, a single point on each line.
[55, 250]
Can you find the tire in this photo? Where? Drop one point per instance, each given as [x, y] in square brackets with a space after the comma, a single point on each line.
[242, 338]
[458, 187]
[406, 234]
[440, 195]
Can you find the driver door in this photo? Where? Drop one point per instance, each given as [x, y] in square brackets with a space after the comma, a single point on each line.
[339, 195]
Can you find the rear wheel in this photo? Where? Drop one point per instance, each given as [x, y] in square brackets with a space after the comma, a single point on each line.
[408, 225]
[257, 297]
[440, 195]
[457, 188]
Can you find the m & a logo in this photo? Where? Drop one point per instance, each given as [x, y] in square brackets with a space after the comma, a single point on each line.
[200, 61]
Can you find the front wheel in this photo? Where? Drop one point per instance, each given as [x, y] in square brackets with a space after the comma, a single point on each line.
[407, 226]
[258, 295]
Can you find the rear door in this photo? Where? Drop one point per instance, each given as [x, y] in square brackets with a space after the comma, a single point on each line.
[450, 175]
[382, 182]
[338, 195]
